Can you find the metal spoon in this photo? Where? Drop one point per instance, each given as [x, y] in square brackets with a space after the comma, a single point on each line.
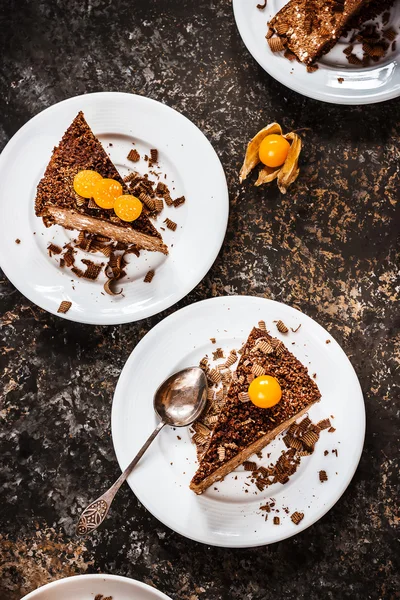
[178, 402]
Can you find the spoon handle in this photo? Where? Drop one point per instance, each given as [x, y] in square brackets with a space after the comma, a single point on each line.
[94, 514]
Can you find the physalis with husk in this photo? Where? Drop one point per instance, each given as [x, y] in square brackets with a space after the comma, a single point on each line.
[278, 153]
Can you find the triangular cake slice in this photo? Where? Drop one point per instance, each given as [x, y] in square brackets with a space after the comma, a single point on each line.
[242, 428]
[310, 28]
[57, 202]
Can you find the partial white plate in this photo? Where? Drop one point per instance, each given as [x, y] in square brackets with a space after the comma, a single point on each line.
[86, 587]
[193, 170]
[360, 86]
[225, 515]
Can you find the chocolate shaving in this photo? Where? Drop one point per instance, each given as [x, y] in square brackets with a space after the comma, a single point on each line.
[324, 424]
[276, 44]
[153, 155]
[77, 272]
[323, 476]
[262, 6]
[249, 465]
[64, 307]
[281, 327]
[133, 155]
[297, 517]
[309, 439]
[69, 258]
[108, 288]
[219, 353]
[92, 269]
[179, 201]
[171, 224]
[53, 249]
[92, 204]
[389, 34]
[158, 204]
[149, 276]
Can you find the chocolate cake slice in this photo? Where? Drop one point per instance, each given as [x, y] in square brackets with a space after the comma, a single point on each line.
[310, 28]
[242, 428]
[57, 202]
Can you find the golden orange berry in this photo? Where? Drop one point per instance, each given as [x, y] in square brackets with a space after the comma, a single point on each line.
[106, 192]
[85, 182]
[265, 391]
[128, 208]
[273, 150]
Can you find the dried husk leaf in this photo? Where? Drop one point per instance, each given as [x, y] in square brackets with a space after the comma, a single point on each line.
[290, 169]
[267, 174]
[252, 159]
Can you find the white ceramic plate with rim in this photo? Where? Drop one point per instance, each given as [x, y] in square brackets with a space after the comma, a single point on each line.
[375, 83]
[192, 168]
[225, 515]
[86, 587]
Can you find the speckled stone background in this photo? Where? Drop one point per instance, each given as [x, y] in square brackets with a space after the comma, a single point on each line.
[329, 247]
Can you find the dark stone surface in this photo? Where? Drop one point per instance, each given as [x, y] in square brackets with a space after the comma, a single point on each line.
[329, 247]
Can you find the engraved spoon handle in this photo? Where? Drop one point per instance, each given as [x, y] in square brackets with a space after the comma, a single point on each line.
[94, 514]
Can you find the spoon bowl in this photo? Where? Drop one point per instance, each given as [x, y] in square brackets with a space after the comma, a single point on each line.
[181, 398]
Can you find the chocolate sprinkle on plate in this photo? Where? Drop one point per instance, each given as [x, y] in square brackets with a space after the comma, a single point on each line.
[64, 307]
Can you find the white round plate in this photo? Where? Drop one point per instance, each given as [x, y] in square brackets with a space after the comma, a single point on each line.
[192, 168]
[86, 587]
[359, 86]
[225, 515]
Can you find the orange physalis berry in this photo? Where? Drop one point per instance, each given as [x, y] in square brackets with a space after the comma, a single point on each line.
[273, 150]
[106, 192]
[128, 208]
[265, 391]
[85, 182]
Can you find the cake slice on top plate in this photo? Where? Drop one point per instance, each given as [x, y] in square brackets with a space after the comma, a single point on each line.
[57, 202]
[310, 28]
[243, 428]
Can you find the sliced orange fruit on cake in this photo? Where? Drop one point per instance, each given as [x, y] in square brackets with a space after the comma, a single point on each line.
[80, 164]
[270, 390]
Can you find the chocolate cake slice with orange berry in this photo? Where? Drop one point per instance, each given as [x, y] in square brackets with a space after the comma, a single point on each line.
[270, 390]
[81, 189]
